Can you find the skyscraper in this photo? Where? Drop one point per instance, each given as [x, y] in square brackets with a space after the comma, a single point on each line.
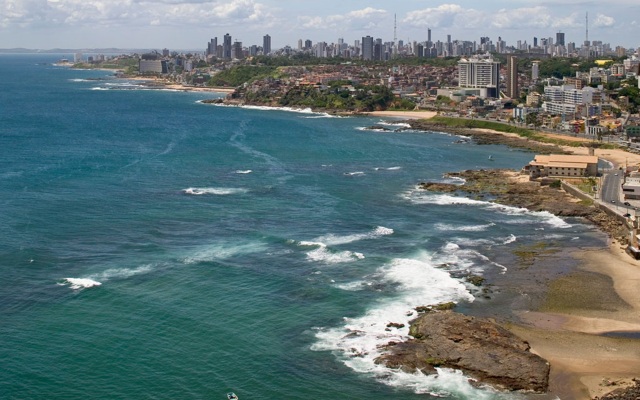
[367, 48]
[226, 47]
[236, 51]
[560, 39]
[212, 47]
[266, 44]
[512, 77]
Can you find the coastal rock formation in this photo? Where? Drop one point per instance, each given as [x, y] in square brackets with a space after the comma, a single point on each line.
[628, 393]
[498, 185]
[479, 348]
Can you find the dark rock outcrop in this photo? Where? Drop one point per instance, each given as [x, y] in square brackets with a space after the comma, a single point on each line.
[481, 349]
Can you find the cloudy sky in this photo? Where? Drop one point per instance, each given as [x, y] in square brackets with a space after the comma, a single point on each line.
[189, 24]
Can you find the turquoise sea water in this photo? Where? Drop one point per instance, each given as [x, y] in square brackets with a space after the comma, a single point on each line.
[155, 247]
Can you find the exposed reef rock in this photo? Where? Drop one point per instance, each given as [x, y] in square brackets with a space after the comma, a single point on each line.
[481, 349]
[497, 185]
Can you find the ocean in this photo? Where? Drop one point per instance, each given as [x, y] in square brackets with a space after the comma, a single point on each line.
[156, 247]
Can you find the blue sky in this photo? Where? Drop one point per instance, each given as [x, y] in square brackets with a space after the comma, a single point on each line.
[182, 25]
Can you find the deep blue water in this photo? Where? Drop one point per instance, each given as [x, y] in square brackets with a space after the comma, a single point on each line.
[152, 246]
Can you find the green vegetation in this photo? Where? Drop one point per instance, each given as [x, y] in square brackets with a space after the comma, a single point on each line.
[308, 60]
[336, 96]
[527, 254]
[128, 64]
[501, 127]
[557, 184]
[436, 362]
[241, 74]
[558, 67]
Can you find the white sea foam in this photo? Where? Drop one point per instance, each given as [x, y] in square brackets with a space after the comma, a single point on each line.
[80, 283]
[352, 286]
[99, 88]
[393, 168]
[455, 180]
[398, 124]
[79, 80]
[213, 191]
[356, 173]
[333, 240]
[322, 253]
[244, 172]
[422, 197]
[512, 238]
[465, 228]
[456, 258]
[358, 342]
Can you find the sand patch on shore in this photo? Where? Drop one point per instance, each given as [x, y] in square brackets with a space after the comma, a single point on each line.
[567, 330]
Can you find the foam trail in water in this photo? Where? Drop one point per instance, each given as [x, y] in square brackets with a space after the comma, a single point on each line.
[467, 228]
[221, 251]
[244, 172]
[213, 191]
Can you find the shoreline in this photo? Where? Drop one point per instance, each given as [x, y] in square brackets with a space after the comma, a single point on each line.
[570, 334]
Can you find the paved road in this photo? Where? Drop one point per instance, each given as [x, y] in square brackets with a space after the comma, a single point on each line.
[611, 186]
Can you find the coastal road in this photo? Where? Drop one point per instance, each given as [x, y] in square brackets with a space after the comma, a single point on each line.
[611, 186]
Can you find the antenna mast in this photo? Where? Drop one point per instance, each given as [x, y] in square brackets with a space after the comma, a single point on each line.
[395, 34]
[586, 42]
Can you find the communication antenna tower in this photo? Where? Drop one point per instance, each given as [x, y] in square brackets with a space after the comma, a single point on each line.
[395, 34]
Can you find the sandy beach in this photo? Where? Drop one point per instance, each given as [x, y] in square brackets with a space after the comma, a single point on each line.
[404, 114]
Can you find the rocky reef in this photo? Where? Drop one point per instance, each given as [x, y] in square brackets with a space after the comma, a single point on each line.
[480, 348]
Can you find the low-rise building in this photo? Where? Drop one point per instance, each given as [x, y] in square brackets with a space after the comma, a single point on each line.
[631, 188]
[561, 165]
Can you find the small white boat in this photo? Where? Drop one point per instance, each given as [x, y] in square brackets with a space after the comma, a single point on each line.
[232, 396]
[490, 158]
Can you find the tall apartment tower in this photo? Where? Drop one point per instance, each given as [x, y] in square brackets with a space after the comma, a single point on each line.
[226, 47]
[480, 73]
[512, 77]
[560, 38]
[266, 44]
[212, 47]
[367, 48]
[236, 51]
[535, 71]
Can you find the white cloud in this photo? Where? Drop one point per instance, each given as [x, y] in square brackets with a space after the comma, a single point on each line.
[26, 13]
[367, 18]
[604, 21]
[445, 16]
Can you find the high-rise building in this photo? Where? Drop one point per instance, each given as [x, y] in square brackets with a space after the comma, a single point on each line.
[512, 77]
[480, 73]
[226, 47]
[560, 39]
[308, 44]
[429, 36]
[236, 51]
[367, 48]
[535, 71]
[266, 44]
[212, 47]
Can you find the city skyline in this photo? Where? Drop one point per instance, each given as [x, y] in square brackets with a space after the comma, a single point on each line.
[178, 24]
